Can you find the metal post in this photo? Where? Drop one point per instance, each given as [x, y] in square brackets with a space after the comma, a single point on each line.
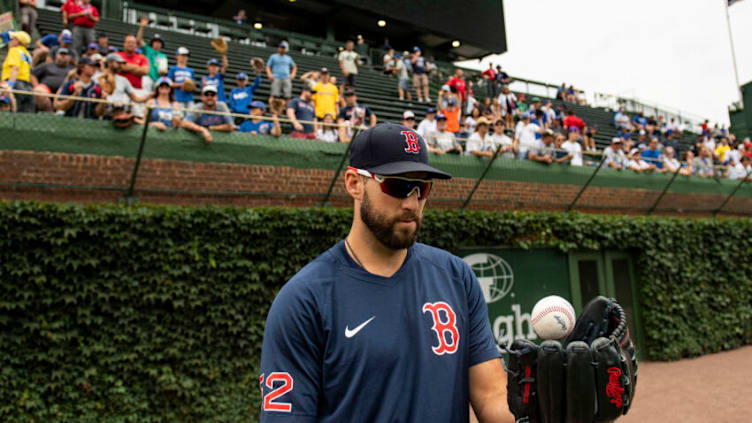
[129, 193]
[483, 175]
[665, 189]
[584, 187]
[733, 53]
[325, 200]
[718, 210]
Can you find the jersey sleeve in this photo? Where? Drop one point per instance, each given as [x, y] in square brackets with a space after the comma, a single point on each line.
[482, 343]
[291, 358]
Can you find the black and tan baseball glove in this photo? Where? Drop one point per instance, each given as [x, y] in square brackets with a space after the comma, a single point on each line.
[589, 378]
[220, 45]
[189, 85]
[257, 64]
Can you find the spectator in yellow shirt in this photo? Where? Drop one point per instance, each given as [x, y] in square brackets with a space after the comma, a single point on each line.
[17, 69]
[721, 150]
[326, 96]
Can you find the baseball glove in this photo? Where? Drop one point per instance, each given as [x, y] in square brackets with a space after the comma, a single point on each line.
[277, 107]
[122, 119]
[107, 82]
[590, 378]
[257, 64]
[220, 45]
[188, 85]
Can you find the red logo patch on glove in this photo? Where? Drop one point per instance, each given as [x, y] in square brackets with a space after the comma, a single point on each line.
[614, 389]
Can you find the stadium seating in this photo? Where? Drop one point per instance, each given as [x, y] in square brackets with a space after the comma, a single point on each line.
[374, 89]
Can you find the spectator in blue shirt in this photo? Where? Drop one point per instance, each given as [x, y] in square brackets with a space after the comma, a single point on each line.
[257, 126]
[242, 96]
[640, 120]
[302, 109]
[216, 76]
[197, 120]
[280, 69]
[652, 154]
[178, 74]
[47, 46]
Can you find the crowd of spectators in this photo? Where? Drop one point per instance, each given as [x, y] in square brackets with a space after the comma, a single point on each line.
[80, 62]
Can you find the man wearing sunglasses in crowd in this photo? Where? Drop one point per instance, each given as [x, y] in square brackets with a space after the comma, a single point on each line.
[197, 120]
[380, 327]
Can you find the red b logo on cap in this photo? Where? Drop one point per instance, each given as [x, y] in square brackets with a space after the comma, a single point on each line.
[413, 146]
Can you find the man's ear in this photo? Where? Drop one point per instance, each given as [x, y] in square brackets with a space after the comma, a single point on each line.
[354, 184]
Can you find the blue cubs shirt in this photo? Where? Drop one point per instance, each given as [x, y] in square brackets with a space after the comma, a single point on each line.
[180, 74]
[344, 345]
[262, 127]
[241, 98]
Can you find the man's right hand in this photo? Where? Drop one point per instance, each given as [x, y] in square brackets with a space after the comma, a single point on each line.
[207, 136]
[143, 21]
[298, 126]
[77, 87]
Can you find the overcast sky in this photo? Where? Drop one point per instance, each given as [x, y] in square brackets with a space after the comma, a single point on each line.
[673, 52]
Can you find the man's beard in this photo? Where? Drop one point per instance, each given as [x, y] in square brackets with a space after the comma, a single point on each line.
[383, 228]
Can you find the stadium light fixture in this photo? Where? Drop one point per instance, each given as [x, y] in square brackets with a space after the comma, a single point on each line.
[258, 25]
[456, 43]
[381, 23]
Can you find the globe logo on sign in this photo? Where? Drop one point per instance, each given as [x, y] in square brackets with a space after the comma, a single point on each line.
[494, 275]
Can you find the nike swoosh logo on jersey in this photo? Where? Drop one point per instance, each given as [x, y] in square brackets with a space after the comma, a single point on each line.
[350, 333]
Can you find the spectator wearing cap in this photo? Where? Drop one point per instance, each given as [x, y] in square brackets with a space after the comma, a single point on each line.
[489, 77]
[442, 141]
[83, 85]
[427, 125]
[91, 50]
[302, 109]
[353, 116]
[420, 75]
[348, 63]
[499, 138]
[45, 46]
[136, 64]
[399, 68]
[153, 52]
[198, 121]
[165, 112]
[502, 77]
[240, 18]
[103, 44]
[242, 95]
[508, 104]
[84, 17]
[16, 70]
[703, 163]
[257, 126]
[216, 76]
[543, 150]
[458, 82]
[179, 73]
[280, 69]
[614, 154]
[47, 78]
[123, 92]
[327, 130]
[573, 149]
[408, 119]
[325, 96]
[7, 99]
[449, 105]
[670, 163]
[526, 132]
[479, 144]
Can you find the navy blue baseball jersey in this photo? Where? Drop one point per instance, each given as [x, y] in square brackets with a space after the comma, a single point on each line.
[344, 345]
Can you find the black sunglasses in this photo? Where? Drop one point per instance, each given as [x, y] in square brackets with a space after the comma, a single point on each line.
[210, 94]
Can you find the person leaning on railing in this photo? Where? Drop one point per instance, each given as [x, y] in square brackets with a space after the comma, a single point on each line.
[165, 112]
[256, 126]
[442, 141]
[203, 123]
[83, 85]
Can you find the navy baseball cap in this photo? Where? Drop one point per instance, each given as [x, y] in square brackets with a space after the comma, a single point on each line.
[87, 61]
[430, 110]
[157, 37]
[213, 62]
[391, 149]
[258, 105]
[92, 46]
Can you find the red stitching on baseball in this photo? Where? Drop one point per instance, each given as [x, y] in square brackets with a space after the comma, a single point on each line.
[550, 309]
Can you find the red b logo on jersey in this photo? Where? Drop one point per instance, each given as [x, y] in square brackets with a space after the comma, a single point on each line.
[444, 327]
[413, 145]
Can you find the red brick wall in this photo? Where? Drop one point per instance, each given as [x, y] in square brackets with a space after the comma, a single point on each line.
[91, 178]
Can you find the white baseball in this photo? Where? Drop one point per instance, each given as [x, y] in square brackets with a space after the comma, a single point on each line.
[553, 317]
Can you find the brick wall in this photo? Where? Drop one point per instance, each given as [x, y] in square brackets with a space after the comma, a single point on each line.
[91, 178]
